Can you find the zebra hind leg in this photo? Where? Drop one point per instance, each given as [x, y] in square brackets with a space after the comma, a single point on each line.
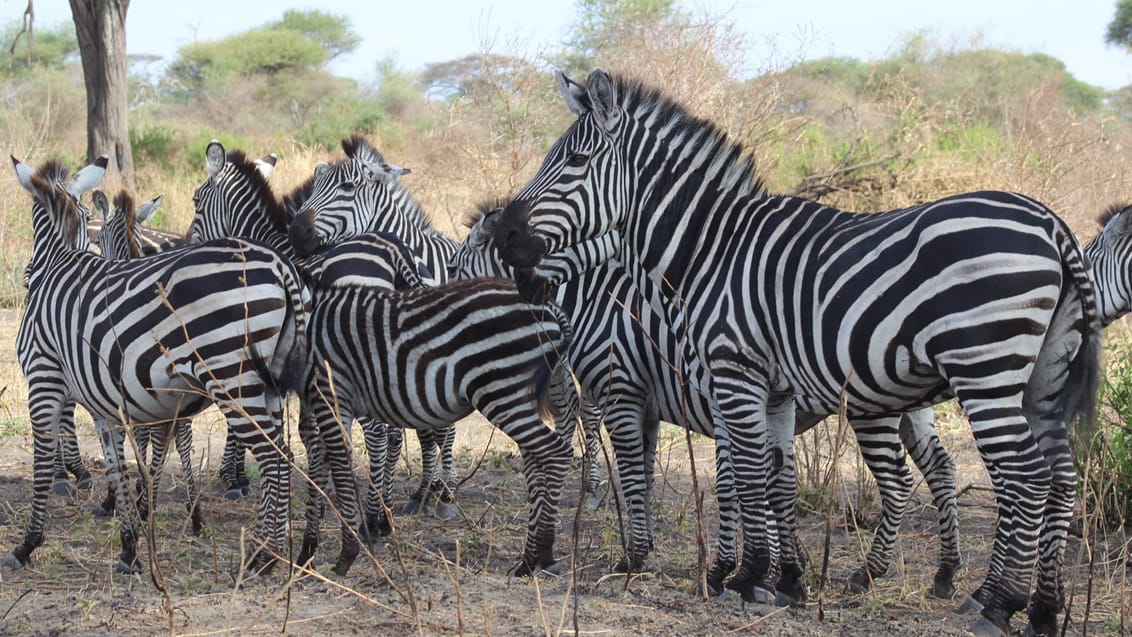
[113, 448]
[445, 486]
[377, 522]
[69, 459]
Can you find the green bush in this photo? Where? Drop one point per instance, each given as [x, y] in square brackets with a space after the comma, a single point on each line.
[1108, 483]
[155, 145]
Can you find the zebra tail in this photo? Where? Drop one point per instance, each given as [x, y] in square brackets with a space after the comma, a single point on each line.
[293, 374]
[1078, 399]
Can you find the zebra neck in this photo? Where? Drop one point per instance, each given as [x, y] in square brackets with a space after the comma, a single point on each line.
[259, 227]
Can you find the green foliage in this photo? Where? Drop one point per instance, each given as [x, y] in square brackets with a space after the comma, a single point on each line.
[261, 51]
[397, 89]
[331, 32]
[971, 139]
[55, 47]
[154, 145]
[1119, 31]
[1108, 485]
[340, 116]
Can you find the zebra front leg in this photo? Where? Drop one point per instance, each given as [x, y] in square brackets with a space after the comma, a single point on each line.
[782, 494]
[232, 470]
[339, 461]
[377, 522]
[395, 441]
[922, 443]
[45, 406]
[69, 458]
[741, 391]
[430, 460]
[318, 483]
[113, 448]
[183, 439]
[445, 487]
[879, 441]
[627, 433]
[728, 500]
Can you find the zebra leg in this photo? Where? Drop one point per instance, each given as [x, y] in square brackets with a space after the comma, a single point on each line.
[728, 499]
[1006, 442]
[922, 443]
[1049, 597]
[183, 439]
[339, 460]
[782, 495]
[395, 439]
[445, 488]
[591, 431]
[627, 432]
[377, 448]
[430, 457]
[45, 407]
[546, 459]
[879, 441]
[232, 472]
[112, 438]
[318, 482]
[69, 459]
[740, 387]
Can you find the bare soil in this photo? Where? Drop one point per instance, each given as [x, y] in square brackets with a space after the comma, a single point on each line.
[450, 577]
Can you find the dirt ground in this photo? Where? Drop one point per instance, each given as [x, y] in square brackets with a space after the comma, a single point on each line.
[436, 577]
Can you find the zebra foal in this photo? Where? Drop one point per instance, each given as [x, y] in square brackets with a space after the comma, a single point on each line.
[427, 358]
[150, 341]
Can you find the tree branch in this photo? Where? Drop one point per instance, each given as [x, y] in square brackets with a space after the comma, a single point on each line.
[27, 27]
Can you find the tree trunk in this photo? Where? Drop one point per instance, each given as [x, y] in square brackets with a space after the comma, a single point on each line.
[101, 29]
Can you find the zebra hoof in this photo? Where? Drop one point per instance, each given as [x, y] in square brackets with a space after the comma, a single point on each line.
[412, 507]
[970, 605]
[64, 488]
[782, 599]
[943, 588]
[85, 482]
[984, 627]
[127, 569]
[859, 583]
[529, 569]
[446, 510]
[12, 562]
[101, 511]
[234, 493]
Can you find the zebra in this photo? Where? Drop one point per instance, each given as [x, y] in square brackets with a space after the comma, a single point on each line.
[626, 357]
[149, 341]
[122, 236]
[982, 296]
[236, 200]
[362, 194]
[429, 357]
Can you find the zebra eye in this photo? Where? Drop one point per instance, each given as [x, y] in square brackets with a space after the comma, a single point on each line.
[577, 159]
[349, 186]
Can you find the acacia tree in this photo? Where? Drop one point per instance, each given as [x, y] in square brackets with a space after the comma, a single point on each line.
[1119, 31]
[101, 29]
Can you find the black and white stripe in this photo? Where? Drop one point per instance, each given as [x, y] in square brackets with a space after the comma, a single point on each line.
[427, 358]
[152, 341]
[982, 296]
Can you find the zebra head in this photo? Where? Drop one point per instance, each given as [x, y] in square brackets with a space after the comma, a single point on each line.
[58, 217]
[581, 189]
[347, 198]
[236, 187]
[120, 237]
[1110, 258]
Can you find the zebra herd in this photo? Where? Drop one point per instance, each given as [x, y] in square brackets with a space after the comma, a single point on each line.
[644, 262]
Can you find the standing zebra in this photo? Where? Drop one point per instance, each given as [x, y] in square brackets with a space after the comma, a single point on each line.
[150, 341]
[984, 296]
[122, 236]
[362, 194]
[627, 359]
[427, 358]
[235, 200]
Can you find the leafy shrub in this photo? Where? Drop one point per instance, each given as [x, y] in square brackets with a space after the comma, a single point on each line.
[1108, 483]
[154, 145]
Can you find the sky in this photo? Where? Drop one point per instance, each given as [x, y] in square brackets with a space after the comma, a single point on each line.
[775, 32]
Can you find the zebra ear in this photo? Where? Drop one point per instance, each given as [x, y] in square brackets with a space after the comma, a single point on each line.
[214, 157]
[603, 99]
[23, 173]
[88, 177]
[320, 168]
[101, 204]
[574, 94]
[266, 164]
[147, 209]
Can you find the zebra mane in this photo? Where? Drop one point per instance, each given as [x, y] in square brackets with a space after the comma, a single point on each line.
[124, 204]
[483, 208]
[648, 104]
[53, 172]
[357, 147]
[276, 213]
[1111, 212]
